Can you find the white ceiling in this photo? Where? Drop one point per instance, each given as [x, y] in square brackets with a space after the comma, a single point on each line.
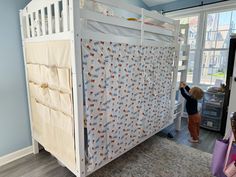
[151, 3]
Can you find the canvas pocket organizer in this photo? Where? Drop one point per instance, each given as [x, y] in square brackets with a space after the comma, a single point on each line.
[54, 99]
[34, 73]
[61, 137]
[58, 54]
[50, 86]
[37, 53]
[55, 130]
[44, 73]
[64, 79]
[66, 103]
[41, 122]
[53, 80]
[56, 78]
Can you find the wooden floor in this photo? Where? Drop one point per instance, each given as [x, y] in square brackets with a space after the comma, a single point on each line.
[207, 137]
[44, 165]
[40, 165]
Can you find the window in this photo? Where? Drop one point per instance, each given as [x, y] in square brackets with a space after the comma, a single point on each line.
[209, 34]
[192, 21]
[218, 28]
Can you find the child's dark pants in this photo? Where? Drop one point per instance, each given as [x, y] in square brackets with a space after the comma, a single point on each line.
[194, 125]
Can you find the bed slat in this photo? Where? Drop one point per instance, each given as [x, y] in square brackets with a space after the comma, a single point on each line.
[37, 23]
[28, 35]
[43, 21]
[49, 19]
[71, 19]
[65, 14]
[142, 27]
[32, 24]
[57, 17]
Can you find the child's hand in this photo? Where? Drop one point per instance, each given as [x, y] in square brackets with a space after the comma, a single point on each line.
[182, 85]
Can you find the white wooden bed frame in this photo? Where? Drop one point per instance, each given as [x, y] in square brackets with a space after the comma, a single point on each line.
[183, 71]
[72, 31]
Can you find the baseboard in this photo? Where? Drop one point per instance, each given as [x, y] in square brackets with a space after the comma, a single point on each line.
[15, 155]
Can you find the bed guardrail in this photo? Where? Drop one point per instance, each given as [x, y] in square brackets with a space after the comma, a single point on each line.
[42, 18]
[136, 10]
[141, 24]
[55, 17]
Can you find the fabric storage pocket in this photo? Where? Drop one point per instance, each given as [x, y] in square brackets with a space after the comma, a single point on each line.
[34, 73]
[59, 53]
[43, 95]
[36, 121]
[66, 103]
[55, 99]
[63, 137]
[53, 77]
[34, 90]
[44, 74]
[64, 76]
[42, 123]
[37, 52]
[54, 115]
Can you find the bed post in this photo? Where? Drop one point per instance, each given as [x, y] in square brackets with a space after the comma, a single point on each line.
[142, 26]
[35, 144]
[175, 73]
[74, 8]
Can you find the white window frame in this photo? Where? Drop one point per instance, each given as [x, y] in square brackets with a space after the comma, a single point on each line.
[202, 13]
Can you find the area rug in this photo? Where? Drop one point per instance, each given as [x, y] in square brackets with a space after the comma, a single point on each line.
[159, 157]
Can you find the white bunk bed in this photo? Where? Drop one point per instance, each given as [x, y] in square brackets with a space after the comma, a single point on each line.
[71, 49]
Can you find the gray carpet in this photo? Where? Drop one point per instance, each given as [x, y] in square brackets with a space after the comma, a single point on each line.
[156, 157]
[159, 157]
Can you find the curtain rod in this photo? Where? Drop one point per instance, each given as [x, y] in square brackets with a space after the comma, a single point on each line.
[200, 5]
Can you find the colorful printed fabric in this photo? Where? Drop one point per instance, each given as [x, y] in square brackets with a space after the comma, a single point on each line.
[127, 95]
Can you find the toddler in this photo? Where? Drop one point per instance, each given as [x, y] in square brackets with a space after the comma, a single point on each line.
[192, 96]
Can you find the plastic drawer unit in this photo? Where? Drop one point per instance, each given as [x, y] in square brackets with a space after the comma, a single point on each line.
[212, 108]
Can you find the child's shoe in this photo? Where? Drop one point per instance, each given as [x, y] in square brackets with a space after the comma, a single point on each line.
[193, 141]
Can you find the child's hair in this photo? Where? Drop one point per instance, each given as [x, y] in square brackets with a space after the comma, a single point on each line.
[197, 93]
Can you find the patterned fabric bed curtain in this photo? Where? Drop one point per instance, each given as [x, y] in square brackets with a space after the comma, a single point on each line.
[127, 95]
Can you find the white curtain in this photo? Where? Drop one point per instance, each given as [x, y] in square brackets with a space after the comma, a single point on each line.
[127, 95]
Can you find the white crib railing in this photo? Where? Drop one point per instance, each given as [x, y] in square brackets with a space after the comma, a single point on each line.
[43, 18]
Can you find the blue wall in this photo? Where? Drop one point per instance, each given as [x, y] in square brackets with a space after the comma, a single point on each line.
[14, 121]
[179, 4]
